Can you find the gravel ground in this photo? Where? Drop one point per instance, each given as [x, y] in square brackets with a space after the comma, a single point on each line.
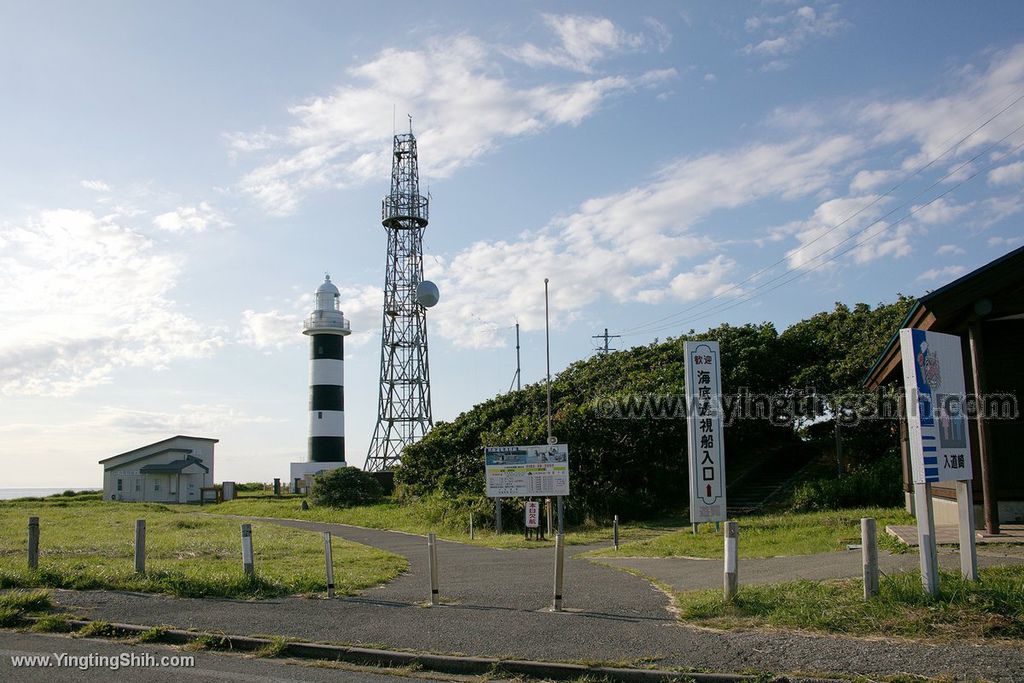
[498, 607]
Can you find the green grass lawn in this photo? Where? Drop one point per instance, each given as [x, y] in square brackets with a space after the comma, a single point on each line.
[421, 518]
[990, 608]
[772, 535]
[89, 544]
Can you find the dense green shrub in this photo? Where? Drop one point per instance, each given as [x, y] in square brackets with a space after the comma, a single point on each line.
[345, 487]
[635, 465]
[879, 483]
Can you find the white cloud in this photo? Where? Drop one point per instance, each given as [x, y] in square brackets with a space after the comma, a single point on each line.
[710, 78]
[190, 419]
[998, 241]
[949, 250]
[277, 329]
[582, 41]
[191, 219]
[939, 211]
[786, 34]
[82, 295]
[95, 185]
[865, 181]
[636, 245]
[949, 272]
[935, 123]
[464, 109]
[1010, 174]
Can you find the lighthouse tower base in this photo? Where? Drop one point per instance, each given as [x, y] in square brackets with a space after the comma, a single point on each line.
[302, 473]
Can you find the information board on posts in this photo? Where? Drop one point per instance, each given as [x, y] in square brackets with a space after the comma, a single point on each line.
[522, 471]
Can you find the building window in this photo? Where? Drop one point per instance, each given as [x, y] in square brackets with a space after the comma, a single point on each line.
[118, 484]
[156, 486]
[136, 485]
[320, 415]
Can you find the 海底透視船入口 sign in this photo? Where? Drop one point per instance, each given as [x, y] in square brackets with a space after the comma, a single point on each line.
[933, 375]
[519, 471]
[704, 432]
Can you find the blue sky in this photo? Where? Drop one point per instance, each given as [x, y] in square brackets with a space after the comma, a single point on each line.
[178, 177]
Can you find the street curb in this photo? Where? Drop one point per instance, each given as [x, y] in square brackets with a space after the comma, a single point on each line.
[452, 664]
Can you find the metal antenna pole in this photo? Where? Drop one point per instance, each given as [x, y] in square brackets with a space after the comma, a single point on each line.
[551, 438]
[547, 350]
[519, 376]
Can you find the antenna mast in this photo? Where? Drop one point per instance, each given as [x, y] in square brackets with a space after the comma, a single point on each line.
[403, 407]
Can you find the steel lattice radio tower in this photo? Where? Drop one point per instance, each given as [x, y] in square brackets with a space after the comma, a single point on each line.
[403, 408]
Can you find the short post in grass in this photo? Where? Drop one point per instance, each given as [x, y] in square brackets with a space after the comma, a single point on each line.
[329, 561]
[869, 555]
[732, 534]
[471, 535]
[277, 487]
[140, 546]
[615, 532]
[247, 560]
[432, 555]
[33, 543]
[559, 571]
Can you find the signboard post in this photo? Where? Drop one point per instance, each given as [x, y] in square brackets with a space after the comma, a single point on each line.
[525, 471]
[704, 432]
[940, 450]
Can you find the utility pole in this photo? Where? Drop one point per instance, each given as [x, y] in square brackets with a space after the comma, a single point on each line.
[519, 375]
[605, 337]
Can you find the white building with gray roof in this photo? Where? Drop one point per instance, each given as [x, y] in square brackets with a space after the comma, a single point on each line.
[169, 471]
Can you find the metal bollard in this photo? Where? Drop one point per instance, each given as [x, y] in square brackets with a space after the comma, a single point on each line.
[329, 561]
[432, 552]
[559, 571]
[140, 546]
[33, 543]
[471, 534]
[869, 554]
[247, 559]
[615, 532]
[732, 533]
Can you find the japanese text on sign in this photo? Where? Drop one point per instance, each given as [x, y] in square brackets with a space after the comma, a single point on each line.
[523, 471]
[704, 431]
[933, 373]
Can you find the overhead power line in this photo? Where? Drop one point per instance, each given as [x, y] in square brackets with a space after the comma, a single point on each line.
[802, 271]
[641, 329]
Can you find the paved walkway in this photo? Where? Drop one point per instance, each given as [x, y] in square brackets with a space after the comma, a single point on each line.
[685, 574]
[499, 607]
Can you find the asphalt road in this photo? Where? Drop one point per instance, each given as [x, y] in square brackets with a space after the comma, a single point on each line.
[498, 607]
[687, 574]
[208, 666]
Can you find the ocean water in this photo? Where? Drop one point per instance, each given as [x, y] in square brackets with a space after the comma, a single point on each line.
[9, 494]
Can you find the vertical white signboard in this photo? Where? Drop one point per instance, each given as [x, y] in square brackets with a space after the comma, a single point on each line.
[704, 432]
[933, 374]
[532, 514]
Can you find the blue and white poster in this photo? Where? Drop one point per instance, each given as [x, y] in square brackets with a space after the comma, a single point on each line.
[933, 375]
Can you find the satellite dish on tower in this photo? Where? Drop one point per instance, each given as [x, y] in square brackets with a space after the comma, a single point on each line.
[427, 294]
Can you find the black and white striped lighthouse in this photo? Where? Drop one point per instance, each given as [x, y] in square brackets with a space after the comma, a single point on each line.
[327, 328]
